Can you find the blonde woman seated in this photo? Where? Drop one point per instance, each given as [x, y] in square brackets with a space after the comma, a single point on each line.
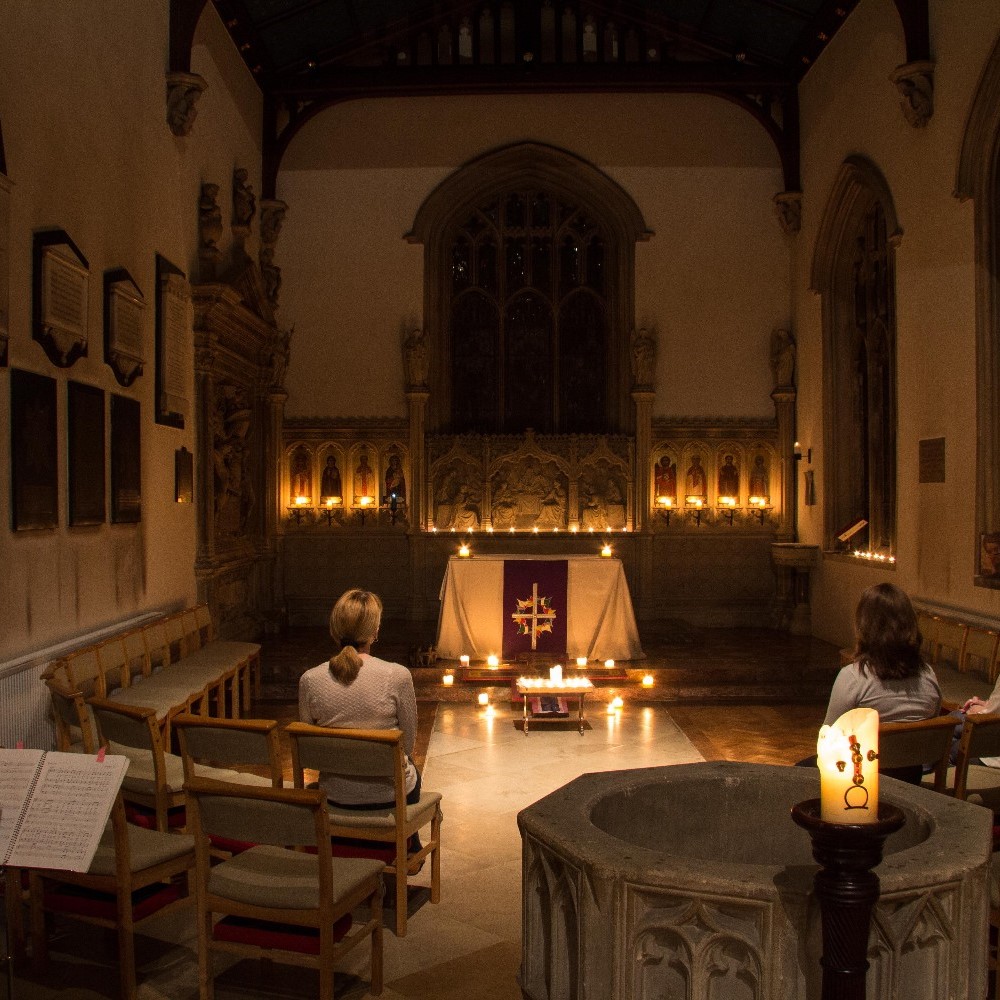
[355, 690]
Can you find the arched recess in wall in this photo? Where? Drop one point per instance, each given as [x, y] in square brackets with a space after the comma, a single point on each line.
[978, 177]
[854, 270]
[529, 280]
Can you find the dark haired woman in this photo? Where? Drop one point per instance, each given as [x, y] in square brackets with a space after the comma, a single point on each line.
[888, 673]
[355, 690]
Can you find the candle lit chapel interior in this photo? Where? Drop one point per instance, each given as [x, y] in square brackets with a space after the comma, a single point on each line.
[696, 303]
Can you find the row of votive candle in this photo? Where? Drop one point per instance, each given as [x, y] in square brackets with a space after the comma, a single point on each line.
[494, 661]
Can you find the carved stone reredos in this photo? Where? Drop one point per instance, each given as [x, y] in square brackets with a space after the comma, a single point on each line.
[788, 209]
[915, 83]
[548, 483]
[183, 92]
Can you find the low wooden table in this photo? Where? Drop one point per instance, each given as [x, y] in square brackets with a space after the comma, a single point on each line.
[575, 687]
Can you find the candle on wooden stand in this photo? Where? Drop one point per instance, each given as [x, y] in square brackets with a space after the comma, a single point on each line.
[448, 680]
[847, 756]
[464, 660]
[484, 698]
[581, 661]
[555, 674]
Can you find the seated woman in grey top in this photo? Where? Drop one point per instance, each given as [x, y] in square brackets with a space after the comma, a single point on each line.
[888, 673]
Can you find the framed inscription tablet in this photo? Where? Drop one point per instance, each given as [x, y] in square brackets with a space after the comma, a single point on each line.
[85, 437]
[174, 340]
[60, 283]
[123, 308]
[34, 463]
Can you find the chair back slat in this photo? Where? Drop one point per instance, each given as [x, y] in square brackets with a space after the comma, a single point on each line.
[949, 641]
[83, 671]
[173, 628]
[287, 818]
[928, 625]
[157, 646]
[344, 752]
[114, 664]
[126, 726]
[204, 619]
[192, 634]
[72, 717]
[904, 744]
[229, 742]
[980, 651]
[136, 654]
[981, 736]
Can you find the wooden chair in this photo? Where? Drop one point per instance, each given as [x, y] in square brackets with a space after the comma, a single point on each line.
[374, 755]
[976, 782]
[979, 652]
[928, 625]
[950, 636]
[153, 866]
[912, 745]
[272, 901]
[72, 719]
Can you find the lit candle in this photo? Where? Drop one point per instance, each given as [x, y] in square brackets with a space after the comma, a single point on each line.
[301, 501]
[847, 755]
[448, 680]
[484, 698]
[464, 660]
[581, 661]
[492, 661]
[647, 680]
[463, 551]
[610, 664]
[555, 674]
[616, 704]
[606, 551]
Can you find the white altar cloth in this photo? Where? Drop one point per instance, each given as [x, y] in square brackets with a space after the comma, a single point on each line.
[600, 622]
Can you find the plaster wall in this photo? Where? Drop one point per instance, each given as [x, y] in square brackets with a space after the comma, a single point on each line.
[88, 150]
[850, 107]
[712, 280]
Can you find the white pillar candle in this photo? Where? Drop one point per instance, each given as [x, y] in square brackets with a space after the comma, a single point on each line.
[448, 680]
[581, 661]
[555, 674]
[847, 756]
[610, 664]
[647, 681]
[484, 698]
[464, 660]
[492, 661]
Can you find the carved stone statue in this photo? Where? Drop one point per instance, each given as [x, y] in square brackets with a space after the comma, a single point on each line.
[643, 357]
[272, 217]
[415, 358]
[280, 353]
[244, 202]
[209, 218]
[782, 358]
[270, 275]
[915, 83]
[788, 209]
[183, 91]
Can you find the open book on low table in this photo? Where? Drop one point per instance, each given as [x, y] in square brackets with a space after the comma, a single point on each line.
[54, 807]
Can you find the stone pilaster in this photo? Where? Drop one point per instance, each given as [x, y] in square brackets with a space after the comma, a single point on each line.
[204, 380]
[643, 399]
[416, 401]
[784, 410]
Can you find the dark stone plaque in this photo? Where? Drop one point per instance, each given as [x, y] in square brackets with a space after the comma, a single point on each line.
[931, 461]
[34, 462]
[126, 478]
[183, 476]
[85, 434]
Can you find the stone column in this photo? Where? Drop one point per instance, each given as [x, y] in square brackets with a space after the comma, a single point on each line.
[204, 378]
[784, 409]
[643, 399]
[416, 401]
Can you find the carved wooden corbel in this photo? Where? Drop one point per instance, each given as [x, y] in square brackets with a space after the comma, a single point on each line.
[788, 209]
[183, 92]
[915, 83]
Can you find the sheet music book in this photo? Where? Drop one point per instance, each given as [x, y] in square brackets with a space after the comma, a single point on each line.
[54, 807]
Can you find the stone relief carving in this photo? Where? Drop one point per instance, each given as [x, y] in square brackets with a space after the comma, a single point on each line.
[415, 358]
[788, 209]
[643, 345]
[209, 229]
[272, 217]
[782, 358]
[280, 356]
[233, 489]
[529, 494]
[915, 84]
[183, 92]
[244, 201]
[602, 500]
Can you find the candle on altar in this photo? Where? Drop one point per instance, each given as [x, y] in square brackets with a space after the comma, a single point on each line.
[492, 661]
[555, 674]
[464, 659]
[847, 756]
[484, 698]
[616, 704]
[610, 664]
[302, 501]
[581, 661]
[464, 551]
[448, 680]
[606, 551]
[647, 680]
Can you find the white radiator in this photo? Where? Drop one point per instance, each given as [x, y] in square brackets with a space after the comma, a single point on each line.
[24, 698]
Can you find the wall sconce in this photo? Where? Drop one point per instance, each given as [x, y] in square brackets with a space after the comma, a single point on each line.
[727, 505]
[364, 505]
[695, 505]
[300, 508]
[329, 507]
[757, 507]
[665, 507]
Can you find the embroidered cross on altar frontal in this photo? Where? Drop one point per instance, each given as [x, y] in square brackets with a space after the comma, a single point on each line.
[534, 606]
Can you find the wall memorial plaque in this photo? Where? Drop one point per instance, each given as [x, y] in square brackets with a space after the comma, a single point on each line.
[183, 476]
[34, 462]
[174, 339]
[123, 309]
[126, 469]
[60, 283]
[85, 435]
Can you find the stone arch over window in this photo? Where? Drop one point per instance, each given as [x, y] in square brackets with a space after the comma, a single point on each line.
[529, 255]
[854, 271]
[978, 177]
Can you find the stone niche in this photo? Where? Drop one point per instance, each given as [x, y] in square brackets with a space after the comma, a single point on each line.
[692, 881]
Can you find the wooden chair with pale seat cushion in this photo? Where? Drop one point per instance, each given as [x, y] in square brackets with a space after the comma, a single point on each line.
[979, 652]
[904, 746]
[274, 901]
[374, 755]
[229, 743]
[928, 625]
[976, 782]
[154, 785]
[949, 638]
[135, 874]
[72, 719]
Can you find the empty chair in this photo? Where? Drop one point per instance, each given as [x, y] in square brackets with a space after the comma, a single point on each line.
[230, 743]
[928, 625]
[948, 641]
[977, 782]
[979, 652]
[153, 866]
[74, 724]
[374, 754]
[114, 665]
[273, 901]
[907, 747]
